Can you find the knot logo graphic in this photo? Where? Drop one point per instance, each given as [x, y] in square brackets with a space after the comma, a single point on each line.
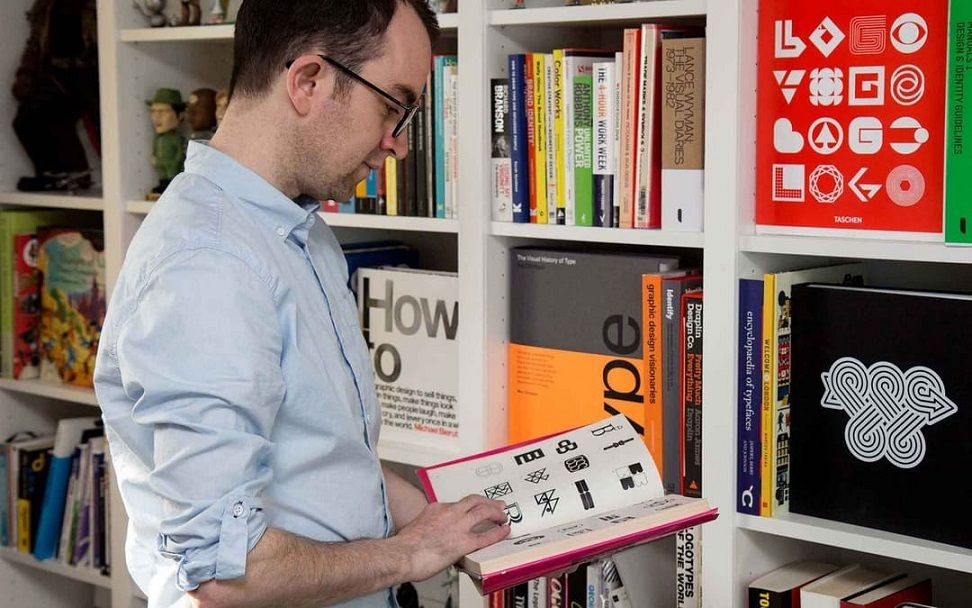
[887, 408]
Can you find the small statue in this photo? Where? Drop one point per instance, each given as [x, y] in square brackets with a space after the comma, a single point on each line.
[191, 14]
[218, 14]
[153, 10]
[201, 113]
[169, 147]
[222, 100]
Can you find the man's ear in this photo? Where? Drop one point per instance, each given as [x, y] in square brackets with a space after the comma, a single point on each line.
[306, 81]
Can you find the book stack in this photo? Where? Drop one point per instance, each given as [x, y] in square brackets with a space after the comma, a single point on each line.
[824, 585]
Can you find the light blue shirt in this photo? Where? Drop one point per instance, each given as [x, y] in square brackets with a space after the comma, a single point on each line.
[235, 384]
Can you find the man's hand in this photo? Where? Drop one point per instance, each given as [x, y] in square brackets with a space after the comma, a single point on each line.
[445, 532]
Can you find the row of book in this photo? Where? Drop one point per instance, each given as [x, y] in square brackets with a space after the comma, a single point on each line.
[824, 585]
[426, 182]
[54, 500]
[849, 393]
[602, 138]
[52, 277]
[600, 333]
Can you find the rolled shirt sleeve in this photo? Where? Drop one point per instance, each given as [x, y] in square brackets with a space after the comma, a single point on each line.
[199, 354]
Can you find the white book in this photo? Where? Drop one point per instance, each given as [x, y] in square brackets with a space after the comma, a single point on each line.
[605, 127]
[501, 165]
[827, 592]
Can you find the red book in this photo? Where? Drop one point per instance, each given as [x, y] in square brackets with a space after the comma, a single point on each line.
[529, 83]
[907, 589]
[26, 308]
[850, 127]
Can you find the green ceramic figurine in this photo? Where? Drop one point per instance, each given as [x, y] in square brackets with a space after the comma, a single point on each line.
[169, 148]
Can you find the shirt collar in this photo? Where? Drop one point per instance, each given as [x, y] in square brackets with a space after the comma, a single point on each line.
[283, 215]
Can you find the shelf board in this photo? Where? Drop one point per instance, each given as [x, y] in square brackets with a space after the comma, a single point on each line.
[139, 207]
[877, 249]
[87, 202]
[390, 222]
[448, 22]
[176, 34]
[412, 455]
[75, 394]
[598, 14]
[626, 236]
[85, 575]
[857, 538]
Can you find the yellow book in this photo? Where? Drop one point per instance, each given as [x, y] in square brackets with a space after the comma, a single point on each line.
[558, 114]
[766, 438]
[391, 186]
[540, 140]
[361, 189]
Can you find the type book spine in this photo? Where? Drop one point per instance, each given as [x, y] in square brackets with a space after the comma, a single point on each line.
[766, 436]
[683, 132]
[550, 139]
[502, 171]
[605, 161]
[651, 330]
[688, 568]
[540, 134]
[530, 105]
[559, 130]
[692, 395]
[518, 140]
[958, 157]
[750, 394]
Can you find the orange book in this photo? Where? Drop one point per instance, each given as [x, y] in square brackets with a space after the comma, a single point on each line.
[531, 120]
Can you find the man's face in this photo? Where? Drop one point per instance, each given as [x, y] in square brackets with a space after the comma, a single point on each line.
[164, 118]
[353, 132]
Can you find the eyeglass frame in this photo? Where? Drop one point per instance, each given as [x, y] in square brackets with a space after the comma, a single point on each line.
[408, 110]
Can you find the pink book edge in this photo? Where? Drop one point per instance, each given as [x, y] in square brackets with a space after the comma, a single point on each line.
[563, 561]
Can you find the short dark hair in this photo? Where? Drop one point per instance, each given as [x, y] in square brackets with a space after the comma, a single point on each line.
[270, 33]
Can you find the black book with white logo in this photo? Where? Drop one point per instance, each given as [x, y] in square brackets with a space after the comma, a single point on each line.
[882, 409]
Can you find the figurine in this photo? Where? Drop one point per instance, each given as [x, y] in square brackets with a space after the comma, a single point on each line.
[153, 10]
[56, 86]
[218, 14]
[201, 113]
[169, 147]
[191, 14]
[222, 100]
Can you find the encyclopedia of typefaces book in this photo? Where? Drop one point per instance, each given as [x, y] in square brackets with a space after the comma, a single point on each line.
[570, 497]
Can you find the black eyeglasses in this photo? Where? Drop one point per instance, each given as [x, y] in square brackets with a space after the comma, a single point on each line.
[408, 110]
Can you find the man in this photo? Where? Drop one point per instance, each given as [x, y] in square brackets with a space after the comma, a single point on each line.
[235, 385]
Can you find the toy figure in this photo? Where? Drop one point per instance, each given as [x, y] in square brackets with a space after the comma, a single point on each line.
[56, 85]
[218, 14]
[222, 100]
[201, 113]
[153, 10]
[191, 14]
[169, 147]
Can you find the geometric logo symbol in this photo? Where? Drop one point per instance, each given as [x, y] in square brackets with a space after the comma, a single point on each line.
[577, 463]
[905, 185]
[548, 501]
[827, 37]
[826, 86]
[864, 192]
[909, 33]
[915, 135]
[487, 470]
[787, 46]
[788, 184]
[865, 135]
[825, 136]
[537, 476]
[530, 456]
[631, 476]
[498, 490]
[514, 513]
[907, 85]
[866, 86]
[888, 408]
[566, 445]
[826, 184]
[785, 139]
[585, 494]
[789, 80]
[607, 428]
[868, 35]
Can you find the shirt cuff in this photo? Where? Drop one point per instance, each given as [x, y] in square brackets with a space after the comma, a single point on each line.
[241, 524]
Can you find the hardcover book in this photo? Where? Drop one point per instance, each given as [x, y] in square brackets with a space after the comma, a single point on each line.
[26, 308]
[850, 133]
[410, 320]
[781, 587]
[893, 594]
[576, 349]
[849, 581]
[879, 418]
[570, 497]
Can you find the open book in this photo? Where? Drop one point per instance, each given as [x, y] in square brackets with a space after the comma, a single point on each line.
[570, 497]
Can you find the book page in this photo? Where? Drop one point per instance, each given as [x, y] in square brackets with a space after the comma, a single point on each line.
[554, 480]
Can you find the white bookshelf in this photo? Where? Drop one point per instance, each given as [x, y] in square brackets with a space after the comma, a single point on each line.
[136, 60]
[84, 575]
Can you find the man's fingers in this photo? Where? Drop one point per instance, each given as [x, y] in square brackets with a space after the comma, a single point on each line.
[494, 535]
[474, 500]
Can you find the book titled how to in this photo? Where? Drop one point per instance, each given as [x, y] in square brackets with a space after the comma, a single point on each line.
[570, 497]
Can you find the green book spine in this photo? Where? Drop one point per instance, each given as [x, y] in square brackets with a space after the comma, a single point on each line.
[958, 156]
[583, 150]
